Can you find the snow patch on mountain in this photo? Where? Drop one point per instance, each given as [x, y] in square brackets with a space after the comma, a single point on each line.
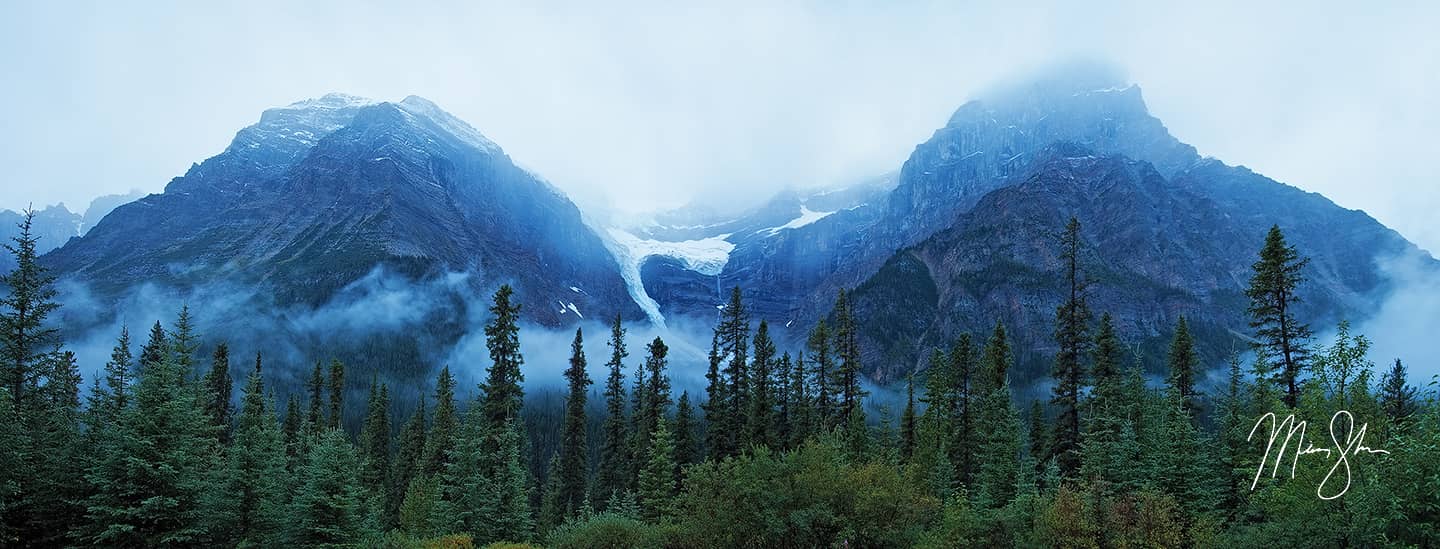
[807, 216]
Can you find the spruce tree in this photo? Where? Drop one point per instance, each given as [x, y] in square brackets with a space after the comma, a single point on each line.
[1105, 450]
[1072, 320]
[1039, 436]
[375, 445]
[28, 301]
[1232, 431]
[718, 428]
[1281, 338]
[657, 387]
[1183, 363]
[329, 508]
[503, 395]
[443, 428]
[907, 421]
[315, 422]
[962, 447]
[119, 372]
[686, 452]
[156, 349]
[407, 464]
[337, 393]
[657, 490]
[573, 449]
[847, 352]
[819, 347]
[217, 392]
[614, 450]
[997, 427]
[291, 431]
[1397, 396]
[255, 480]
[760, 418]
[734, 338]
[506, 508]
[781, 424]
[801, 411]
[184, 342]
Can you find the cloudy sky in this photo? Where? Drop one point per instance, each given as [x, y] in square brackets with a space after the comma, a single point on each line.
[642, 106]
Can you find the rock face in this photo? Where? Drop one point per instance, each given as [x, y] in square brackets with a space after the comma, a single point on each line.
[967, 236]
[321, 192]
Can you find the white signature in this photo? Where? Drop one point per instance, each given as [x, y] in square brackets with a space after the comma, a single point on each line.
[1354, 444]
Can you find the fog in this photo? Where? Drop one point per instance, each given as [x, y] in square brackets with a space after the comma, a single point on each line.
[648, 105]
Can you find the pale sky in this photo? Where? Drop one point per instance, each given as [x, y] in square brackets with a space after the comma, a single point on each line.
[641, 106]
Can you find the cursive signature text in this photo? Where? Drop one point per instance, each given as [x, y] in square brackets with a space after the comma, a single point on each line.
[1353, 445]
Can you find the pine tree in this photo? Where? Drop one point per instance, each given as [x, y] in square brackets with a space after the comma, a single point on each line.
[184, 342]
[685, 451]
[217, 392]
[1182, 369]
[819, 347]
[1397, 397]
[1231, 416]
[329, 506]
[997, 427]
[291, 431]
[315, 422]
[573, 449]
[441, 439]
[614, 450]
[1104, 452]
[656, 494]
[50, 460]
[781, 423]
[718, 429]
[506, 509]
[148, 486]
[761, 415]
[115, 396]
[407, 464]
[375, 444]
[734, 336]
[907, 421]
[1281, 337]
[1072, 320]
[253, 494]
[657, 387]
[962, 367]
[847, 352]
[801, 411]
[28, 301]
[503, 395]
[156, 349]
[1039, 437]
[337, 393]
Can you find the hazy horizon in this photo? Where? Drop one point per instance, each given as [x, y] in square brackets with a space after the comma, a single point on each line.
[650, 106]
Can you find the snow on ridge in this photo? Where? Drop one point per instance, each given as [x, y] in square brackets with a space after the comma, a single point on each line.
[706, 256]
[807, 216]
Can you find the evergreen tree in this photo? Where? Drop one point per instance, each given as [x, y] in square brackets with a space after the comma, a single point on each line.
[1072, 320]
[217, 391]
[997, 427]
[1281, 337]
[147, 487]
[1397, 397]
[1233, 432]
[375, 445]
[1183, 363]
[28, 301]
[657, 388]
[184, 342]
[441, 439]
[962, 447]
[718, 428]
[407, 464]
[506, 508]
[1039, 436]
[656, 494]
[781, 422]
[337, 393]
[115, 396]
[907, 421]
[329, 506]
[1106, 452]
[801, 412]
[251, 507]
[573, 449]
[315, 422]
[503, 395]
[847, 352]
[819, 347]
[685, 451]
[761, 415]
[734, 335]
[614, 450]
[156, 349]
[291, 433]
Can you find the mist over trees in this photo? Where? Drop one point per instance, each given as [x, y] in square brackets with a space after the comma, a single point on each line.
[778, 449]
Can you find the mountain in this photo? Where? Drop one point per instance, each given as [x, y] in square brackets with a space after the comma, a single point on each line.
[321, 193]
[967, 236]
